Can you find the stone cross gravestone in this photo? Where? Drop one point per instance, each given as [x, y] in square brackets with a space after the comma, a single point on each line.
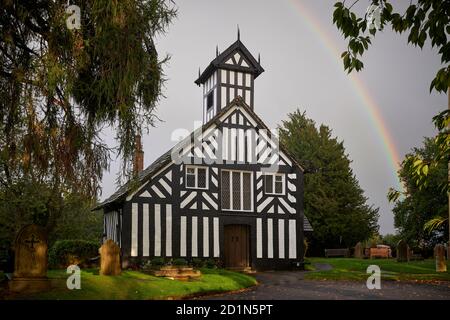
[439, 254]
[30, 262]
[402, 251]
[109, 258]
[359, 251]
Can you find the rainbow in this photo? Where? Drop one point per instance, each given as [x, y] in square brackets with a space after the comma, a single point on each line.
[370, 106]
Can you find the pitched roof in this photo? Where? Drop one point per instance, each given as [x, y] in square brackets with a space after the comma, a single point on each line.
[163, 160]
[219, 62]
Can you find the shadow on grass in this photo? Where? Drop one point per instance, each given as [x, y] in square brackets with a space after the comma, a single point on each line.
[135, 285]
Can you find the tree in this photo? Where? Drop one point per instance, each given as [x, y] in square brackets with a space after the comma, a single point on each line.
[59, 87]
[422, 204]
[423, 19]
[391, 240]
[334, 202]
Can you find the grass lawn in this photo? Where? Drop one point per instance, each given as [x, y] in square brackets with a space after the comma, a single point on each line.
[140, 286]
[355, 269]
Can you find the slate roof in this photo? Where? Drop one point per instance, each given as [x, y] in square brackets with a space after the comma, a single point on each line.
[123, 190]
[163, 160]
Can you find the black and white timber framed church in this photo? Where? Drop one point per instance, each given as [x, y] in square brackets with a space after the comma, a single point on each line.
[227, 191]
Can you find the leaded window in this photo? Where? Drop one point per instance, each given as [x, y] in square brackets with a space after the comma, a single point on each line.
[236, 176]
[237, 190]
[201, 178]
[247, 190]
[274, 183]
[226, 193]
[196, 177]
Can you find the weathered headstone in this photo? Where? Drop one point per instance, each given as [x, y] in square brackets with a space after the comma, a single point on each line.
[439, 254]
[402, 251]
[359, 251]
[109, 258]
[30, 262]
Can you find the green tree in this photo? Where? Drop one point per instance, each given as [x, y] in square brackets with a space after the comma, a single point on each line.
[59, 87]
[423, 19]
[391, 240]
[422, 204]
[71, 216]
[334, 202]
[77, 221]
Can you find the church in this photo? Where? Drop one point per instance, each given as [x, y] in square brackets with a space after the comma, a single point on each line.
[228, 191]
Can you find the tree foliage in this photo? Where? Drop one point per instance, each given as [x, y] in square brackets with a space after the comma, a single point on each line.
[333, 200]
[421, 205]
[60, 87]
[67, 217]
[423, 20]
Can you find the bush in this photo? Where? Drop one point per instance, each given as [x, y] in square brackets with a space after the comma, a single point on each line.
[212, 263]
[198, 263]
[157, 262]
[67, 252]
[179, 262]
[205, 263]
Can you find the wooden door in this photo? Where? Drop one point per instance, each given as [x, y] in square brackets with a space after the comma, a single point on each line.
[237, 246]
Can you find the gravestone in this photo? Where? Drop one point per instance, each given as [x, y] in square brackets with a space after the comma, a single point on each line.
[30, 261]
[402, 251]
[109, 258]
[439, 254]
[359, 251]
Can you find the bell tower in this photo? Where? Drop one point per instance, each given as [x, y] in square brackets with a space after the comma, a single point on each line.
[232, 73]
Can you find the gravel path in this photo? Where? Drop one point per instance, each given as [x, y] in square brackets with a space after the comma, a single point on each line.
[291, 285]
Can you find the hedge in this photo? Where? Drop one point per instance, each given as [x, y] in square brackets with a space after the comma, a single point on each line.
[67, 252]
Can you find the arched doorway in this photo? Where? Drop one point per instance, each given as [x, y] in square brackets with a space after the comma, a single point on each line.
[237, 246]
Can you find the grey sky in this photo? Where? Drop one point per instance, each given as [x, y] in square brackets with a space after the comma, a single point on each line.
[301, 73]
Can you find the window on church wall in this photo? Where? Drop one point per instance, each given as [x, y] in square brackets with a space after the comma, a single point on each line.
[236, 176]
[274, 184]
[278, 184]
[210, 100]
[190, 177]
[201, 178]
[196, 177]
[247, 198]
[268, 183]
[226, 193]
[237, 190]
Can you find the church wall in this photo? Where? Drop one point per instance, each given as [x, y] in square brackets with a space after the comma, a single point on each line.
[163, 218]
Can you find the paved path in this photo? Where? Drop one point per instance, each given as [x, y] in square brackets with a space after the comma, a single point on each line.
[291, 285]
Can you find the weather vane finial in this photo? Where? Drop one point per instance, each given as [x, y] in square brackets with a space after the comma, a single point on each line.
[238, 33]
[217, 50]
[199, 72]
[259, 58]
